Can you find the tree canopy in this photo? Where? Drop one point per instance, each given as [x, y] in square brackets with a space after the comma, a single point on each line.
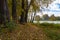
[16, 8]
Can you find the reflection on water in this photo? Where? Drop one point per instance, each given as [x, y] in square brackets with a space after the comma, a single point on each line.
[55, 22]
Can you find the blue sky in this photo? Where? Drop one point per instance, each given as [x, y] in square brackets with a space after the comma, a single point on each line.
[53, 8]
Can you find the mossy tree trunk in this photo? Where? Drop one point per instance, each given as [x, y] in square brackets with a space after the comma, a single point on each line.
[24, 14]
[14, 14]
[4, 14]
[6, 11]
[22, 19]
[2, 11]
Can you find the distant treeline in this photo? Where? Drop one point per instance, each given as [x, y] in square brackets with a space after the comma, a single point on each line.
[46, 17]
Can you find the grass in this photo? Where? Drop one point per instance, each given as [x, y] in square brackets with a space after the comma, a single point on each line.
[30, 31]
[51, 30]
[22, 32]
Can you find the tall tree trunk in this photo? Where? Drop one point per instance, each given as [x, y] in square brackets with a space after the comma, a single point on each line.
[25, 8]
[2, 20]
[6, 11]
[31, 18]
[34, 16]
[26, 11]
[14, 14]
[22, 19]
[26, 15]
[4, 14]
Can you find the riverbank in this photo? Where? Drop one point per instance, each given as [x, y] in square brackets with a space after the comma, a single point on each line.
[31, 31]
[52, 31]
[23, 32]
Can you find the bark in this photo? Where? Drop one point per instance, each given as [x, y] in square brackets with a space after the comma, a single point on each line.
[26, 10]
[34, 16]
[6, 11]
[24, 14]
[2, 11]
[4, 14]
[31, 18]
[22, 19]
[14, 14]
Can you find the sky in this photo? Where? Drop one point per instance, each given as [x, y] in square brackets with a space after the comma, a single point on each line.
[53, 8]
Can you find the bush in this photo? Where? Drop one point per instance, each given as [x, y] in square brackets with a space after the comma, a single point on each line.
[46, 24]
[50, 25]
[52, 35]
[11, 25]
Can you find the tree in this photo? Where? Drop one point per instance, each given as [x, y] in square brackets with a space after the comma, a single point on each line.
[22, 19]
[52, 18]
[14, 14]
[25, 6]
[46, 17]
[58, 18]
[37, 18]
[4, 13]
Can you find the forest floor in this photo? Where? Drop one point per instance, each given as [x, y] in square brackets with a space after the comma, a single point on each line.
[31, 32]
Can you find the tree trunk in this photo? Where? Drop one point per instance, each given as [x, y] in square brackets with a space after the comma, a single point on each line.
[26, 15]
[14, 14]
[26, 11]
[2, 11]
[4, 14]
[31, 18]
[22, 19]
[25, 8]
[34, 16]
[6, 11]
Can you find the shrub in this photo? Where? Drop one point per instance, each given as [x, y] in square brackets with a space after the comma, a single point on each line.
[11, 25]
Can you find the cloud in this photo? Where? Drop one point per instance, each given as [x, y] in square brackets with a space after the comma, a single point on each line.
[58, 4]
[53, 8]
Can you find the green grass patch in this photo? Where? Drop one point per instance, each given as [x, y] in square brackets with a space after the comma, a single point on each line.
[51, 30]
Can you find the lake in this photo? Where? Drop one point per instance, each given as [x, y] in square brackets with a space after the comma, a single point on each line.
[55, 22]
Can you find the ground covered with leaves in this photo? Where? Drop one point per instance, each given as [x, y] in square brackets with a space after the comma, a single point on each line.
[31, 32]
